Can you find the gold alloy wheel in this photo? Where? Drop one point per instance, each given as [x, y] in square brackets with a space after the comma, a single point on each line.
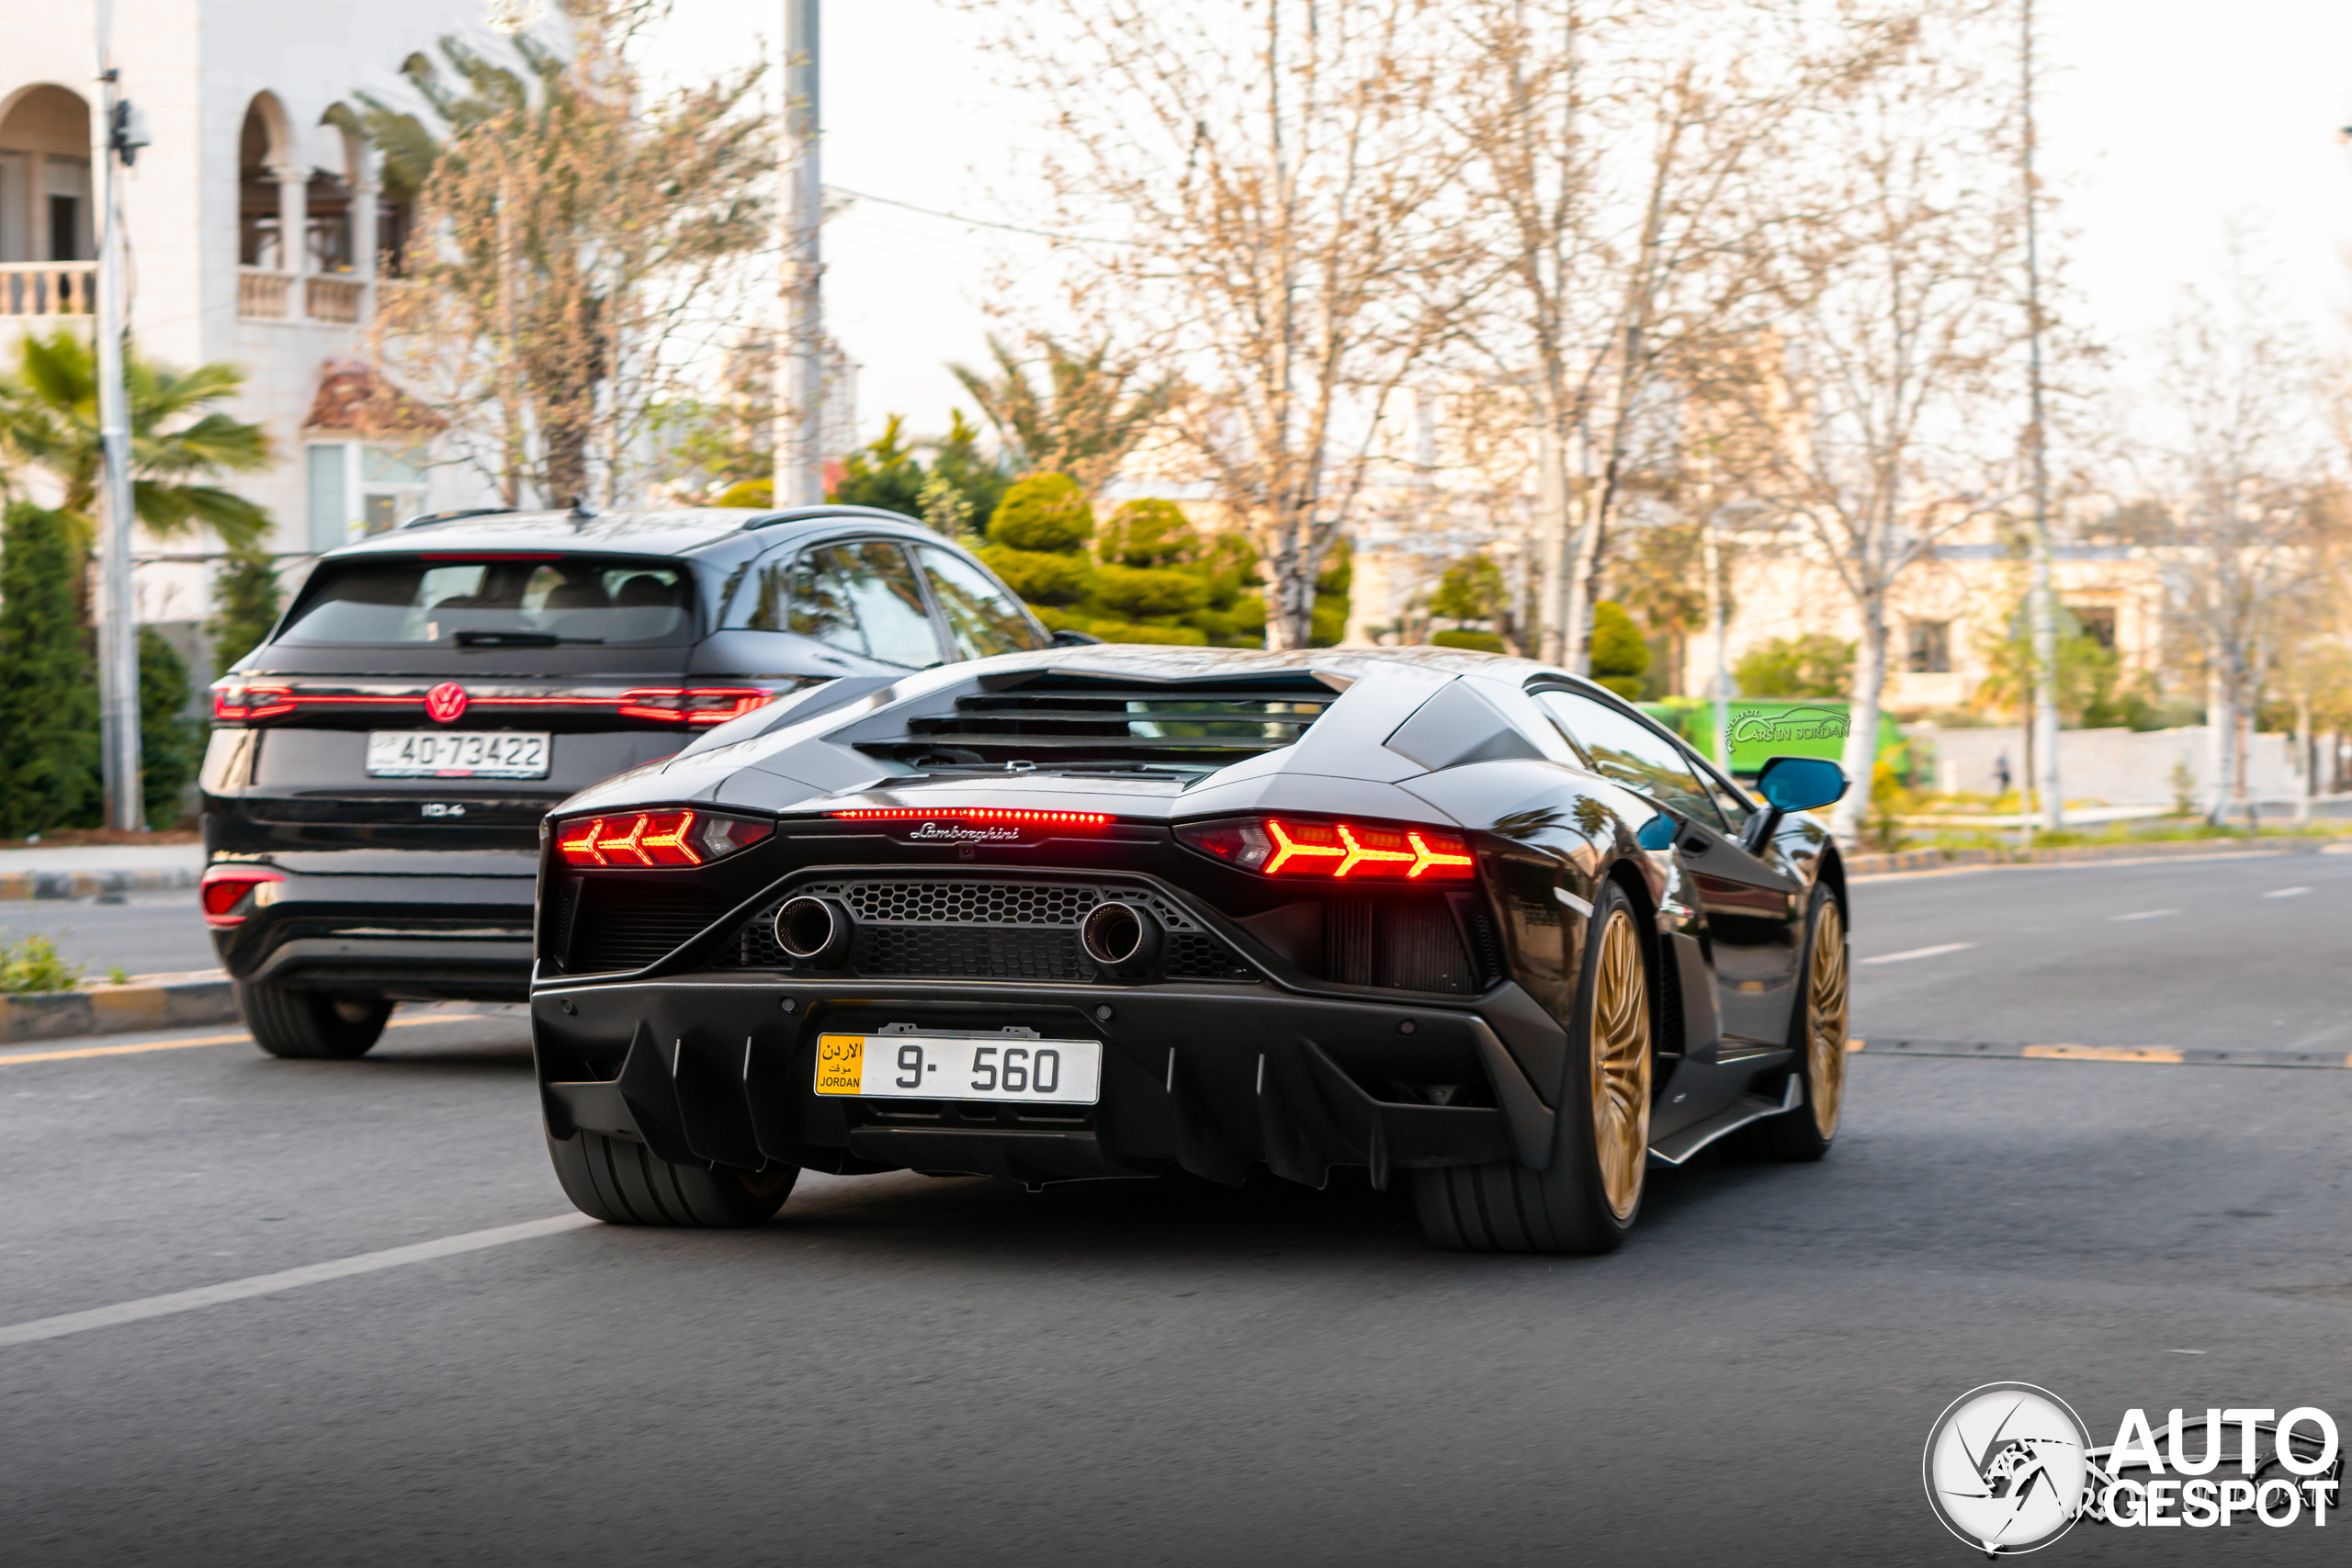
[1825, 1018]
[1621, 1065]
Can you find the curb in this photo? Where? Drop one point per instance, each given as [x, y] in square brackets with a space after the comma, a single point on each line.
[1937, 860]
[153, 1001]
[2167, 1055]
[16, 886]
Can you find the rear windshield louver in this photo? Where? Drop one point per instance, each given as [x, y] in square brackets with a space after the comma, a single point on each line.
[1063, 720]
[616, 927]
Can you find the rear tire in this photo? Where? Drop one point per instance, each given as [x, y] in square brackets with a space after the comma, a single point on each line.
[622, 1183]
[1818, 1035]
[311, 1026]
[1586, 1201]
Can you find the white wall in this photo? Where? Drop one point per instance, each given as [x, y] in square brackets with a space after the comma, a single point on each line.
[2116, 767]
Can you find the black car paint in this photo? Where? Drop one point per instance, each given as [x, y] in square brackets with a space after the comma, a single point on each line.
[1207, 1078]
[423, 889]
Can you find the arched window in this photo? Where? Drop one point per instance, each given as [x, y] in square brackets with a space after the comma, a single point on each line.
[335, 180]
[47, 213]
[263, 149]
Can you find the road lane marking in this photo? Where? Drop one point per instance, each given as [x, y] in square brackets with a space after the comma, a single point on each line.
[2165, 1056]
[2284, 892]
[58, 1327]
[2106, 1052]
[2144, 915]
[205, 1040]
[1918, 952]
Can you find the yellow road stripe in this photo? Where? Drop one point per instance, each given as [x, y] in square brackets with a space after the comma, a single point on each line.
[203, 1040]
[2105, 1052]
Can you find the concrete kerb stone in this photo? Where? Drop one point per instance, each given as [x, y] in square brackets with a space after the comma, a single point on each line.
[1938, 860]
[19, 886]
[94, 1006]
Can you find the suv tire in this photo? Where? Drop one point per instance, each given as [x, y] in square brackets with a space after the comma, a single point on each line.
[311, 1026]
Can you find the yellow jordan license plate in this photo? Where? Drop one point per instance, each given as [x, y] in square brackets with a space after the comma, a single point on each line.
[953, 1066]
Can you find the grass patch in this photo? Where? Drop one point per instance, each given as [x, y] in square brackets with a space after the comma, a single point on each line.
[34, 965]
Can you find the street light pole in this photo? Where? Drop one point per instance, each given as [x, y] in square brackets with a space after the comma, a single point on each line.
[800, 423]
[2043, 610]
[117, 617]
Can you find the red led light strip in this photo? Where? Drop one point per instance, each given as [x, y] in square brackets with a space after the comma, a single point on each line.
[638, 703]
[973, 814]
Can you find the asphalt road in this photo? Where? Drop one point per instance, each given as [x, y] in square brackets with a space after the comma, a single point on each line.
[910, 1371]
[147, 933]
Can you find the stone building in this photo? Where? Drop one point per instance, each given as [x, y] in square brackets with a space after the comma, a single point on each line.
[258, 231]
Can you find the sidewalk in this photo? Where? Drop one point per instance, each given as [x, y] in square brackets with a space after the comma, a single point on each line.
[90, 870]
[1903, 861]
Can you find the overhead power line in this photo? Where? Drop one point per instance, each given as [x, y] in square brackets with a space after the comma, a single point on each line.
[982, 222]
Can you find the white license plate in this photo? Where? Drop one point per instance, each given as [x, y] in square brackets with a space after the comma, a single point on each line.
[439, 754]
[948, 1067]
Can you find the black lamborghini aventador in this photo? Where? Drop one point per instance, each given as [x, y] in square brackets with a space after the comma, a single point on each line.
[1121, 911]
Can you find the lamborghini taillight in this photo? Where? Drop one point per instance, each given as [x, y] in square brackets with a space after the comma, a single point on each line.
[629, 839]
[1336, 849]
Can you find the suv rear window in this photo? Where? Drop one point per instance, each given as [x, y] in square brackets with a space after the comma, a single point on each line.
[452, 601]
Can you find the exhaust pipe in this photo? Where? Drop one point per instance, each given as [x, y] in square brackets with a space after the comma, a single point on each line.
[815, 932]
[1122, 939]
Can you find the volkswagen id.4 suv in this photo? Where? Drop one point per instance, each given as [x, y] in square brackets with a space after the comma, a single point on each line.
[379, 767]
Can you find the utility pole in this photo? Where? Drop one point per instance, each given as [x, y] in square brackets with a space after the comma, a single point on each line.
[2043, 608]
[112, 137]
[800, 411]
[1711, 562]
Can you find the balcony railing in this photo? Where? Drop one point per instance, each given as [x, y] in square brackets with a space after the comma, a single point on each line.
[49, 288]
[332, 299]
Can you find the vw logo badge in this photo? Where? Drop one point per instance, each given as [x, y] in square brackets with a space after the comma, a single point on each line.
[445, 702]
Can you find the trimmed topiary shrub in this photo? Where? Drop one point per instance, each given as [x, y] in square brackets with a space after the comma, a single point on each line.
[1618, 654]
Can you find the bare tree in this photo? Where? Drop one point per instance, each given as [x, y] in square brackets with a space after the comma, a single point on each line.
[574, 232]
[1627, 161]
[1282, 194]
[2234, 451]
[1888, 430]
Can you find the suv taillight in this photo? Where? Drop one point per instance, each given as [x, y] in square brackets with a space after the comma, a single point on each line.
[226, 886]
[695, 704]
[628, 840]
[236, 699]
[1335, 849]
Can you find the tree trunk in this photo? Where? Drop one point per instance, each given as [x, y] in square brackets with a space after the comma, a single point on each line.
[2221, 733]
[1290, 619]
[2306, 759]
[1552, 528]
[1860, 757]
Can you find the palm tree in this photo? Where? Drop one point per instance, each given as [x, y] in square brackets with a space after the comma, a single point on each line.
[48, 420]
[1083, 422]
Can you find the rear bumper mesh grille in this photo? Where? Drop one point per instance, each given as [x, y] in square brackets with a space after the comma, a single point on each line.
[983, 929]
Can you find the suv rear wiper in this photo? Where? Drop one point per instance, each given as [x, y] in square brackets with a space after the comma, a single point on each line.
[518, 640]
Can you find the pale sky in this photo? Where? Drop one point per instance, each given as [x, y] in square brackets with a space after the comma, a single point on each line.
[2162, 120]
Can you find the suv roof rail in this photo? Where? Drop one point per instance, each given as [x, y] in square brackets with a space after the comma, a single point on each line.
[829, 509]
[431, 517]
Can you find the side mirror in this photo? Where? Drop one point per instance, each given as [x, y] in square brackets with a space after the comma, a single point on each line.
[1066, 638]
[1801, 784]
